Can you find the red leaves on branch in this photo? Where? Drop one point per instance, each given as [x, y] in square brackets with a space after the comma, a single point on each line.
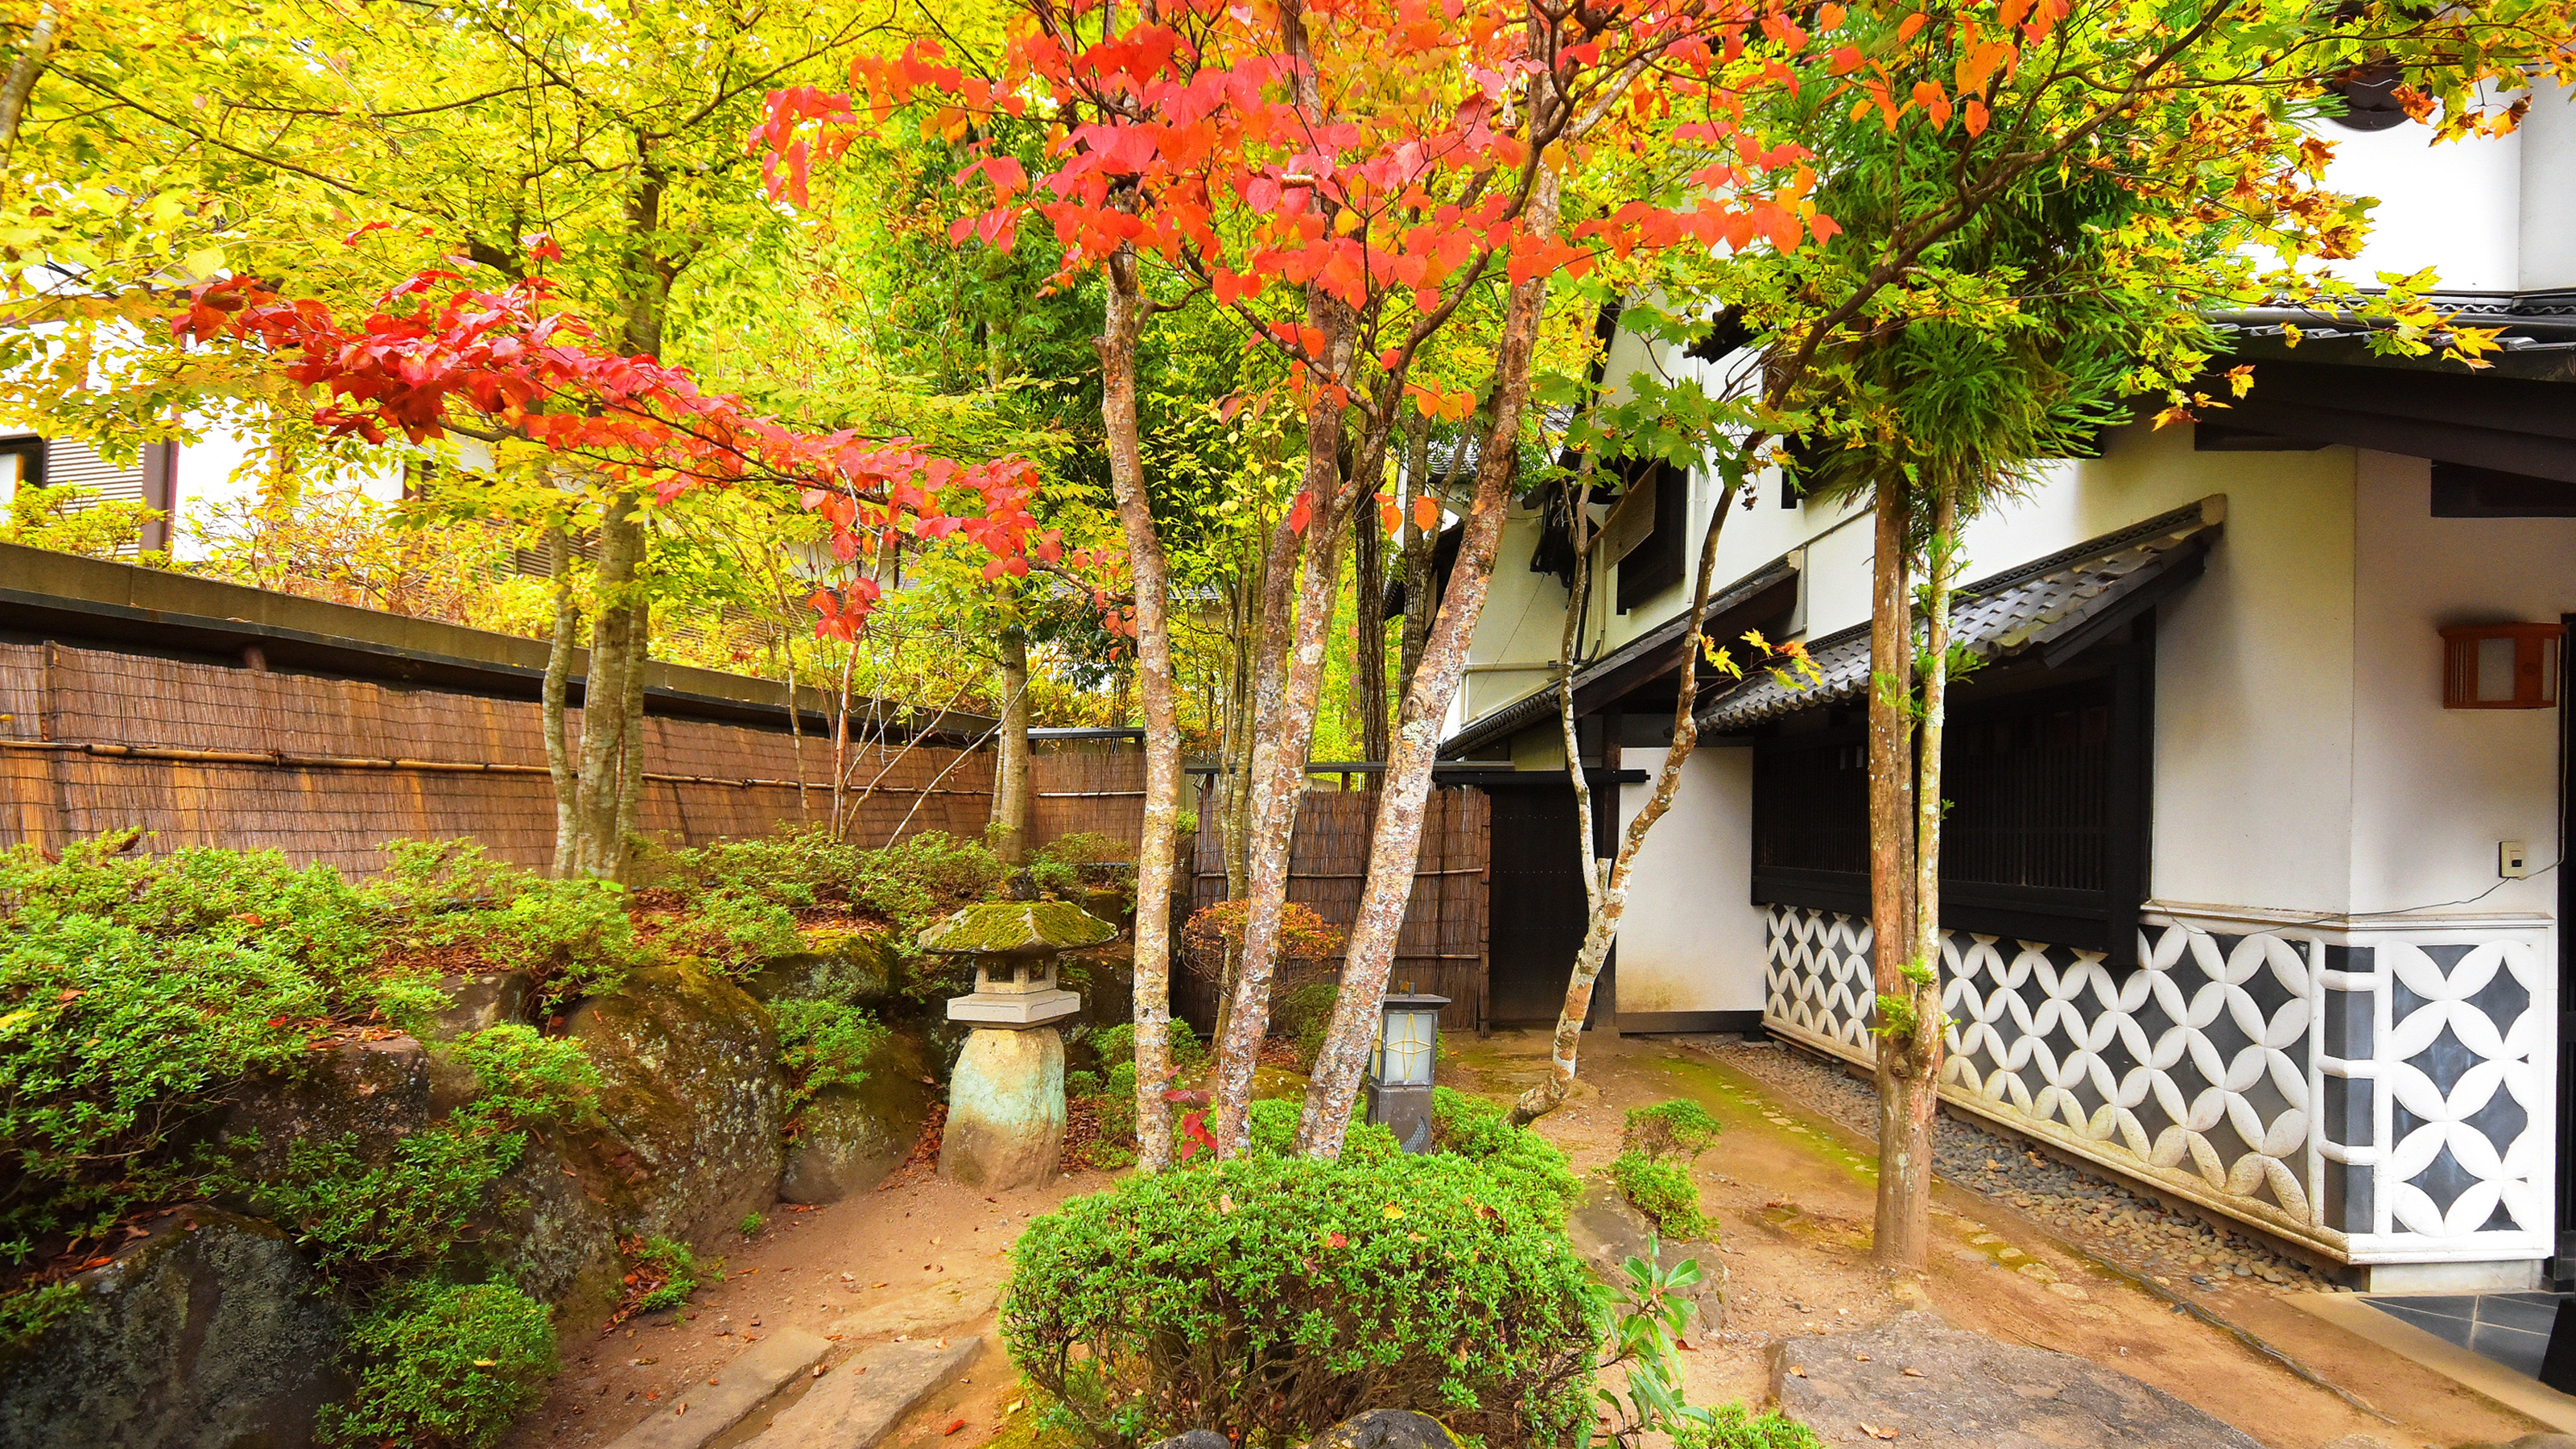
[1393, 171]
[437, 354]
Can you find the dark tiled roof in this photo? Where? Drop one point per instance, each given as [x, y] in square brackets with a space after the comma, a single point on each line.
[2057, 605]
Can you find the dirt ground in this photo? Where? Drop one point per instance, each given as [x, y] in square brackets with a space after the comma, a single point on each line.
[1790, 1190]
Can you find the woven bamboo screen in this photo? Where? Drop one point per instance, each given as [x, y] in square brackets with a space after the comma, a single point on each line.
[1442, 946]
[1098, 791]
[329, 769]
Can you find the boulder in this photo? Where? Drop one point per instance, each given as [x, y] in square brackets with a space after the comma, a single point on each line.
[857, 967]
[209, 1333]
[1194, 1439]
[694, 1098]
[1921, 1382]
[1006, 1114]
[848, 1138]
[1607, 1231]
[371, 1093]
[1387, 1429]
[476, 1003]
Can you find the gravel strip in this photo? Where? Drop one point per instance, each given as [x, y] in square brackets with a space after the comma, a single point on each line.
[2175, 1248]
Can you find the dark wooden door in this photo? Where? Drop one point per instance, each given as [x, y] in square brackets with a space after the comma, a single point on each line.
[1537, 911]
[2562, 1269]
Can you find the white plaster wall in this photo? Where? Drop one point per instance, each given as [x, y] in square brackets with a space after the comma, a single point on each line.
[2455, 207]
[1691, 939]
[2548, 236]
[2434, 789]
[1523, 624]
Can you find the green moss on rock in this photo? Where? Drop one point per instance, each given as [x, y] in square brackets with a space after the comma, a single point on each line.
[1017, 928]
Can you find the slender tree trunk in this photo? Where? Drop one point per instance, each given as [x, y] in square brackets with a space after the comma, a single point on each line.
[1395, 844]
[1609, 897]
[1413, 560]
[560, 765]
[1368, 653]
[1156, 851]
[34, 54]
[597, 848]
[1904, 1114]
[1244, 648]
[630, 724]
[1011, 770]
[1911, 1058]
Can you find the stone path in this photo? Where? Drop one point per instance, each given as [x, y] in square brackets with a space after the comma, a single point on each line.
[850, 1405]
[1920, 1382]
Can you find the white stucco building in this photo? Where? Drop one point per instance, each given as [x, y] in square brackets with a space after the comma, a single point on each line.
[2236, 906]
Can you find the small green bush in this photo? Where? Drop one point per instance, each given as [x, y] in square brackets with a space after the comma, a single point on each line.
[824, 1044]
[1304, 1014]
[751, 1224]
[443, 1367]
[1678, 1128]
[1664, 1192]
[732, 932]
[1523, 1165]
[1087, 847]
[1733, 1426]
[1267, 1297]
[665, 1270]
[1054, 877]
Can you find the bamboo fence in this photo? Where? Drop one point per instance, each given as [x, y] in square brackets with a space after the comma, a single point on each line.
[1443, 946]
[328, 770]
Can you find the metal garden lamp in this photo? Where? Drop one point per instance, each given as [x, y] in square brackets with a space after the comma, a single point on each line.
[1399, 1088]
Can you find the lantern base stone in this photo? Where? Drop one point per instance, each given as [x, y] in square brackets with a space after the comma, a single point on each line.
[1405, 1111]
[1014, 1008]
[1005, 1109]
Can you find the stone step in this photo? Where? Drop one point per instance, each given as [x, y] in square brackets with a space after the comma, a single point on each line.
[854, 1406]
[741, 1388]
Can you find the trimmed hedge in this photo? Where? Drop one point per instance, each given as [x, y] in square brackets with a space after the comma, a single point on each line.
[1269, 1297]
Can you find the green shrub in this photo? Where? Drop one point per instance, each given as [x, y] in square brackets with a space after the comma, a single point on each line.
[440, 1365]
[751, 1224]
[1086, 847]
[1678, 1128]
[949, 870]
[824, 1044]
[1304, 1014]
[1268, 1296]
[1054, 877]
[1117, 1043]
[731, 931]
[434, 875]
[1664, 1192]
[1522, 1164]
[1733, 1426]
[664, 1273]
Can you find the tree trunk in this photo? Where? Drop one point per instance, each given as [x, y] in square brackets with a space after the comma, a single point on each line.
[1154, 858]
[1011, 769]
[34, 54]
[1609, 897]
[630, 725]
[560, 766]
[1415, 550]
[1284, 731]
[1396, 843]
[1902, 1238]
[597, 849]
[1368, 654]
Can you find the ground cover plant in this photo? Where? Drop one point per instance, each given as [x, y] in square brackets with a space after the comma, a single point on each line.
[443, 1366]
[1657, 1146]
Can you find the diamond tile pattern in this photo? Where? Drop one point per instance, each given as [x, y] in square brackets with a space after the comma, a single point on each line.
[2202, 1068]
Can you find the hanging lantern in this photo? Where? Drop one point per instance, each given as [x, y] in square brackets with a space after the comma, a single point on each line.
[1399, 1088]
[2500, 666]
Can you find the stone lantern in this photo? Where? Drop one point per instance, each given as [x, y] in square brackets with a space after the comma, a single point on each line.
[1006, 1098]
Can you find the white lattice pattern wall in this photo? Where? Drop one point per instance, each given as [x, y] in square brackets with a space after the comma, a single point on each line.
[2384, 1094]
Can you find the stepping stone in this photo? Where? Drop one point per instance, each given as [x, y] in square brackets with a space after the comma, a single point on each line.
[854, 1405]
[1927, 1385]
[707, 1410]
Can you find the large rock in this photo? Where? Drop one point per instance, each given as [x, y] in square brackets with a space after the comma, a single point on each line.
[1387, 1429]
[857, 967]
[848, 1138]
[1005, 1110]
[1607, 1231]
[208, 1334]
[476, 1003]
[1923, 1383]
[371, 1094]
[695, 1100]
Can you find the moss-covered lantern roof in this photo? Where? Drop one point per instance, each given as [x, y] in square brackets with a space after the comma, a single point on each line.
[1017, 928]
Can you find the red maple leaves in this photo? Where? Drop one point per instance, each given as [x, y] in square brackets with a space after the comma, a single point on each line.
[437, 354]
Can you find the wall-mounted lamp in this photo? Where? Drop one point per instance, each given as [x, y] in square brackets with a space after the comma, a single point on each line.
[2500, 666]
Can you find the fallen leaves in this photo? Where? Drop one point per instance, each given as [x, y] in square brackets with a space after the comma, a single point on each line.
[1875, 1432]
